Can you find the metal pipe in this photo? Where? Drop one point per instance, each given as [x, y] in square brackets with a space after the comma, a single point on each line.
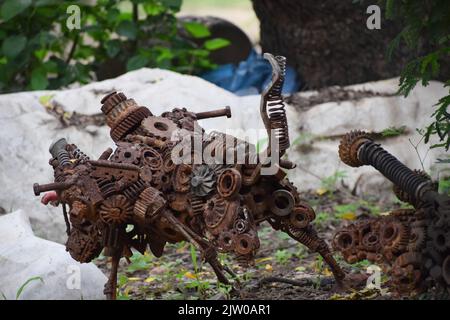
[39, 188]
[214, 113]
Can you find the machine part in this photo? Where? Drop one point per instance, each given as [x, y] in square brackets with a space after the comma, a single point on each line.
[197, 205]
[149, 204]
[159, 127]
[245, 244]
[272, 107]
[363, 149]
[241, 226]
[394, 236]
[220, 214]
[226, 241]
[202, 180]
[404, 196]
[229, 183]
[116, 210]
[282, 202]
[225, 112]
[181, 178]
[83, 243]
[129, 122]
[302, 215]
[152, 158]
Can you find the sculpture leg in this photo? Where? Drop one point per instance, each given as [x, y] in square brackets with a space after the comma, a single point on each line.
[308, 237]
[111, 286]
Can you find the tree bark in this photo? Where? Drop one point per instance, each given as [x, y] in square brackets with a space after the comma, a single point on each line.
[328, 42]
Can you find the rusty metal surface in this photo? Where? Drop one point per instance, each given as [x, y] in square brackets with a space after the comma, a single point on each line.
[413, 245]
[217, 207]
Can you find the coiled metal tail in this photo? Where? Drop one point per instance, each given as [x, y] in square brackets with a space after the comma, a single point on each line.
[272, 107]
[373, 154]
[357, 148]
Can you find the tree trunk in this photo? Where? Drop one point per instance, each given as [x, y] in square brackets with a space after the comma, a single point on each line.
[327, 42]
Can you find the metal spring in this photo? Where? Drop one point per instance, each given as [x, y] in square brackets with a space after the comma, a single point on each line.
[133, 191]
[276, 108]
[373, 154]
[80, 155]
[309, 240]
[63, 157]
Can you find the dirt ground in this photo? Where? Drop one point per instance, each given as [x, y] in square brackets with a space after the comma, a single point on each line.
[179, 273]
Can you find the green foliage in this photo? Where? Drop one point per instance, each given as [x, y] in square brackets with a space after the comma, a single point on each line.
[39, 51]
[426, 24]
[22, 287]
[330, 182]
[393, 131]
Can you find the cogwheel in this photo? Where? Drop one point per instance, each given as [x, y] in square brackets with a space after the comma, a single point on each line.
[417, 238]
[215, 210]
[202, 180]
[394, 235]
[349, 145]
[439, 238]
[152, 158]
[116, 210]
[229, 182]
[128, 122]
[371, 241]
[159, 127]
[406, 197]
[149, 204]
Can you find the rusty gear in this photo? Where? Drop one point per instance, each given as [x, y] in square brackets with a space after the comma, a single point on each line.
[116, 210]
[348, 147]
[229, 183]
[159, 127]
[83, 243]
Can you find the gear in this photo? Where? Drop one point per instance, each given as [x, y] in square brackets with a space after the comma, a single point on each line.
[159, 127]
[203, 180]
[302, 215]
[128, 122]
[149, 204]
[349, 145]
[152, 158]
[229, 183]
[394, 236]
[116, 210]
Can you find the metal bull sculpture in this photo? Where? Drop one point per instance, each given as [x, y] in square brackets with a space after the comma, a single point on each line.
[413, 245]
[217, 207]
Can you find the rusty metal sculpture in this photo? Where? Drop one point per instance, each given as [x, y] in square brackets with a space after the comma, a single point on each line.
[413, 245]
[216, 207]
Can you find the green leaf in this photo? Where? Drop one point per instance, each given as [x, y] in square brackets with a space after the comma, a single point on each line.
[137, 62]
[13, 45]
[197, 30]
[12, 8]
[39, 79]
[127, 29]
[112, 48]
[175, 5]
[22, 287]
[216, 43]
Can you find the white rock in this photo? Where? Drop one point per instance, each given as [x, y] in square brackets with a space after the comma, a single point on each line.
[24, 256]
[27, 131]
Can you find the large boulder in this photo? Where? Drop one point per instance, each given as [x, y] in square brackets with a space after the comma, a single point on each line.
[28, 129]
[43, 269]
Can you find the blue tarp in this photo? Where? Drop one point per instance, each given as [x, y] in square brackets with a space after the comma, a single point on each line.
[250, 76]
